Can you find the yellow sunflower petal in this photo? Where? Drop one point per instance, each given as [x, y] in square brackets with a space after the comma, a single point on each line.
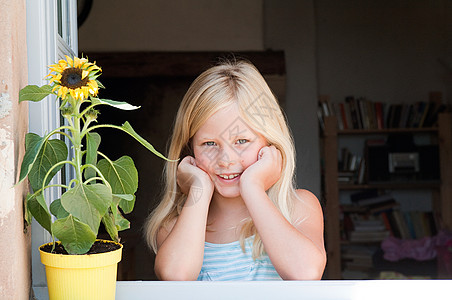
[56, 68]
[69, 61]
[91, 68]
[73, 94]
[85, 90]
[55, 78]
[76, 62]
[62, 63]
[83, 62]
[93, 84]
[84, 74]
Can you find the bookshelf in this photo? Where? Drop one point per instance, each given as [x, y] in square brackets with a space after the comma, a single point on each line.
[441, 190]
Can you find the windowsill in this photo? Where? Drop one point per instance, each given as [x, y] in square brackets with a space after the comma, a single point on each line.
[366, 289]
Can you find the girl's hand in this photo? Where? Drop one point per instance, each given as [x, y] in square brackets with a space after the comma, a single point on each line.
[190, 176]
[266, 171]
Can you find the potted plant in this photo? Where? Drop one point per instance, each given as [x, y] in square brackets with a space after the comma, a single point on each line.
[101, 192]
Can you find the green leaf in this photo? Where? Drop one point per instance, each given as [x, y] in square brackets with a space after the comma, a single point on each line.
[76, 237]
[92, 144]
[125, 202]
[126, 197]
[33, 144]
[117, 104]
[34, 93]
[88, 203]
[120, 222]
[128, 128]
[51, 153]
[127, 205]
[58, 210]
[109, 222]
[123, 178]
[27, 213]
[121, 174]
[38, 208]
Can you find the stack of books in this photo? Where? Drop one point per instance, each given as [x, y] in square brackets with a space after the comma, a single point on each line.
[373, 216]
[358, 261]
[361, 113]
[363, 220]
[351, 167]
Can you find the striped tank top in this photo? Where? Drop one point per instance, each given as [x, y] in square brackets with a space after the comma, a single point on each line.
[229, 262]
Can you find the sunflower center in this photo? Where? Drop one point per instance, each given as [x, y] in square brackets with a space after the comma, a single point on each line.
[72, 78]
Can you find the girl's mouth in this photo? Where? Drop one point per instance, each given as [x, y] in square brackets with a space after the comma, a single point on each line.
[229, 176]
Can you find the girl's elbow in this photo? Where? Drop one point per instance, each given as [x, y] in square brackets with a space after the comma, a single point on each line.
[313, 271]
[171, 272]
[175, 275]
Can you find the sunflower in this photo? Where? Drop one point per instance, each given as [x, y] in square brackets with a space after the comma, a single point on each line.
[75, 77]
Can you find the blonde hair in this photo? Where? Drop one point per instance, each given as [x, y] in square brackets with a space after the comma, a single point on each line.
[229, 82]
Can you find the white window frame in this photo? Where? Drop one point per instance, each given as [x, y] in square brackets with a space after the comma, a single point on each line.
[45, 46]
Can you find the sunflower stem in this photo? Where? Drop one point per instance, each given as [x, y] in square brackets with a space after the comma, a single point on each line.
[77, 142]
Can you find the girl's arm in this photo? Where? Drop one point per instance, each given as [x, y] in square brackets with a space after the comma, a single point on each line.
[296, 251]
[181, 247]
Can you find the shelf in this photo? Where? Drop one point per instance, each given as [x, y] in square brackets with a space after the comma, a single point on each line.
[387, 131]
[392, 185]
[441, 189]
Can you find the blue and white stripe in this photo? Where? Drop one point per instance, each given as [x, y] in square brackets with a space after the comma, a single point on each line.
[224, 262]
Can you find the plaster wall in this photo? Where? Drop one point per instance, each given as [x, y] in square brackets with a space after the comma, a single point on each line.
[290, 26]
[15, 276]
[159, 25]
[390, 51]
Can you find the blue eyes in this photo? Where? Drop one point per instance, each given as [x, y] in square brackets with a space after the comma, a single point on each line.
[238, 142]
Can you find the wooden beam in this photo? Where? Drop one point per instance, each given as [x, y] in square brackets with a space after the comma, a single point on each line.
[445, 157]
[332, 209]
[146, 64]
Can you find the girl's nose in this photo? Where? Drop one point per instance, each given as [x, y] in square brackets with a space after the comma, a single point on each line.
[226, 158]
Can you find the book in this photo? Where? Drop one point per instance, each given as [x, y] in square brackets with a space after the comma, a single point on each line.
[379, 115]
[363, 112]
[378, 199]
[397, 113]
[404, 116]
[345, 116]
[354, 113]
[325, 104]
[368, 236]
[383, 206]
[389, 116]
[429, 106]
[401, 224]
[370, 193]
[420, 106]
[337, 113]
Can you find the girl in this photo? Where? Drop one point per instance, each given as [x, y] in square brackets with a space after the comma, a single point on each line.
[229, 209]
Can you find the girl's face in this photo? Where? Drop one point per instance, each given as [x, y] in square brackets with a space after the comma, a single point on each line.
[224, 147]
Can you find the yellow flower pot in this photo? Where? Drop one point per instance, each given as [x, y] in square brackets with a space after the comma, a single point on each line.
[88, 276]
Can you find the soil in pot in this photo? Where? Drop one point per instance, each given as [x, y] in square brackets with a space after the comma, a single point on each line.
[98, 247]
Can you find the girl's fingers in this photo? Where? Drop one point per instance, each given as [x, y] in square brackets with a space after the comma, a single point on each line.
[269, 150]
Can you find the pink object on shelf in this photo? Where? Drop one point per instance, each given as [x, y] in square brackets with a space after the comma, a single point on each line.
[423, 249]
